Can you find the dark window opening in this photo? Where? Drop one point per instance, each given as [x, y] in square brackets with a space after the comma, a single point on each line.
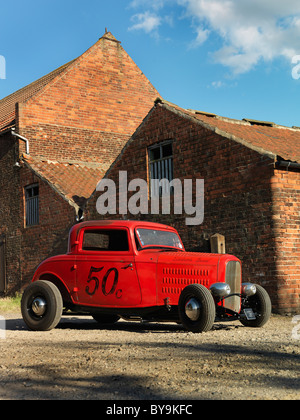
[105, 240]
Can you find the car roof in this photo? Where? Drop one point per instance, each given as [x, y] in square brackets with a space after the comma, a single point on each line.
[131, 224]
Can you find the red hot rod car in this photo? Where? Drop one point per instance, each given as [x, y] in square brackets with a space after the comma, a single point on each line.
[140, 270]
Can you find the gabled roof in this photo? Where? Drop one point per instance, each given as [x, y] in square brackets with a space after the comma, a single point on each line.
[74, 182]
[264, 137]
[8, 104]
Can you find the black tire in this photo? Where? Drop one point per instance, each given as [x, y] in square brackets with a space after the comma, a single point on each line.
[106, 318]
[207, 308]
[261, 305]
[41, 306]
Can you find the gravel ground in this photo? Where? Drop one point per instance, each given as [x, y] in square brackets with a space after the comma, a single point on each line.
[134, 361]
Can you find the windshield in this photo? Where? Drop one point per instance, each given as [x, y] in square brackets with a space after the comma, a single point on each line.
[150, 238]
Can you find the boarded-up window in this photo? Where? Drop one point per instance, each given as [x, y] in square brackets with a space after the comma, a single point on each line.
[161, 168]
[32, 205]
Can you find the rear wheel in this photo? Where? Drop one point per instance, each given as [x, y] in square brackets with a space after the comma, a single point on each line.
[196, 308]
[261, 305]
[41, 306]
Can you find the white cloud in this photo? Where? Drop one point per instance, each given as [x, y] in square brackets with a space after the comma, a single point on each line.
[251, 31]
[147, 22]
[153, 4]
[202, 35]
[152, 16]
[218, 84]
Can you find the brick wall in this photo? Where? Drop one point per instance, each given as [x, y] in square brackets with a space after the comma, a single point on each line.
[87, 113]
[48, 238]
[25, 247]
[238, 195]
[10, 210]
[90, 109]
[286, 218]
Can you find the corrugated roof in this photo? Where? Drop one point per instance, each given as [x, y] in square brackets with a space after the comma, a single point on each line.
[75, 182]
[264, 137]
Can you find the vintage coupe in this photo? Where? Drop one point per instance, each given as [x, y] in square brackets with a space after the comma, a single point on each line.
[140, 270]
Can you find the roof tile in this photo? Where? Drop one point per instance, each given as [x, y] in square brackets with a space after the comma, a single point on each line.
[272, 139]
[75, 182]
[8, 104]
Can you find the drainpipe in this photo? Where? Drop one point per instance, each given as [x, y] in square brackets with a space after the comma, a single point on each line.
[21, 138]
[286, 164]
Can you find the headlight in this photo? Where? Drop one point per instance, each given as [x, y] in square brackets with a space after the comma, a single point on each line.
[220, 290]
[248, 289]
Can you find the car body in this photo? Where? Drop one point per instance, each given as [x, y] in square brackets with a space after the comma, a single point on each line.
[140, 270]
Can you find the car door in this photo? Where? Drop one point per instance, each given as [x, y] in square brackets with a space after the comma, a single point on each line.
[105, 269]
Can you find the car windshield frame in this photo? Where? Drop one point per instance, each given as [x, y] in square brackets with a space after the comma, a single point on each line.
[154, 245]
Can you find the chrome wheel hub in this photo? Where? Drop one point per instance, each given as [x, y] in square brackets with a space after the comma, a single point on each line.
[38, 306]
[192, 309]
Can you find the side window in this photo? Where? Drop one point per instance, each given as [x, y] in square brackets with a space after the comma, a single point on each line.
[32, 205]
[105, 240]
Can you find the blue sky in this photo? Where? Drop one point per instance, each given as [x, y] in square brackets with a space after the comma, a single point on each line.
[235, 58]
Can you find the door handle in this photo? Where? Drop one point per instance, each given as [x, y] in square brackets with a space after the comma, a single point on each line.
[128, 266]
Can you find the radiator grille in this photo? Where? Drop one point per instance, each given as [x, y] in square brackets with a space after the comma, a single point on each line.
[233, 278]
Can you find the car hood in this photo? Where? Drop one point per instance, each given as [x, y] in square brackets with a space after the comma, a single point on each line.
[171, 257]
[172, 267]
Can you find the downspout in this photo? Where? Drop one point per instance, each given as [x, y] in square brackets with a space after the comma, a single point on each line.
[288, 165]
[21, 138]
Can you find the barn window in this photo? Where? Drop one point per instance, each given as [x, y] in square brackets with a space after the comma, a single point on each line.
[161, 168]
[32, 205]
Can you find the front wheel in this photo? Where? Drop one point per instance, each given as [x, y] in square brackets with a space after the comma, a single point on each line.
[261, 305]
[41, 306]
[196, 308]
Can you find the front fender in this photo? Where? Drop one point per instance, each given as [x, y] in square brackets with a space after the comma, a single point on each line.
[65, 292]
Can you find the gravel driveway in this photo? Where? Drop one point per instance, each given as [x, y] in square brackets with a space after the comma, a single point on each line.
[134, 361]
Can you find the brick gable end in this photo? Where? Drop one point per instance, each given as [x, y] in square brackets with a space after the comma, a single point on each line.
[103, 92]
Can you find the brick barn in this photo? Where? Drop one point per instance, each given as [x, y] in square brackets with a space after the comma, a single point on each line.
[58, 136]
[251, 172]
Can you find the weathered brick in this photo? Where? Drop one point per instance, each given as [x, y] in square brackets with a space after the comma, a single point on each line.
[246, 199]
[85, 112]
